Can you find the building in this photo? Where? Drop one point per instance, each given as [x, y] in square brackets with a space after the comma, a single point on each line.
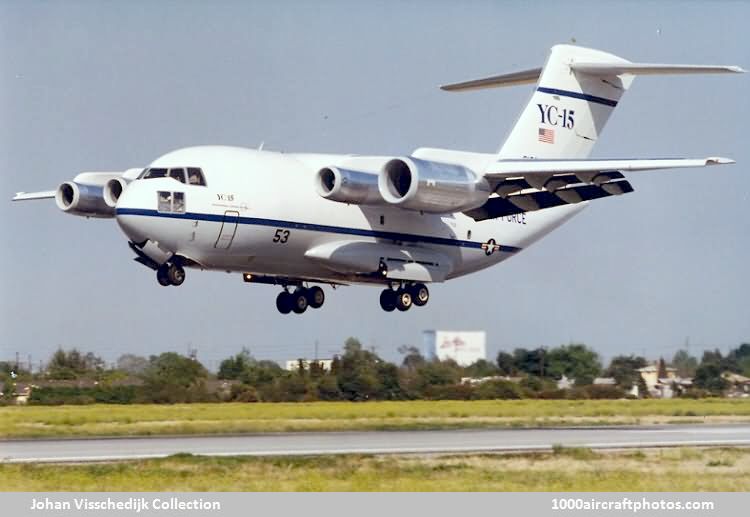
[663, 387]
[464, 347]
[739, 385]
[293, 364]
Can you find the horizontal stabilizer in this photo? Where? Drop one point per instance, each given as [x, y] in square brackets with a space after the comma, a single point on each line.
[519, 203]
[609, 69]
[523, 77]
[26, 196]
[531, 76]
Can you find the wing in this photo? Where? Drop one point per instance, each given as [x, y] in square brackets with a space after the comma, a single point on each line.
[528, 185]
[26, 196]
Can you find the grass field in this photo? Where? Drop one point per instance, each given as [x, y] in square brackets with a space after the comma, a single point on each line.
[131, 420]
[685, 469]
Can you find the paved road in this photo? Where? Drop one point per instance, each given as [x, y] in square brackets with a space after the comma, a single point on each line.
[373, 442]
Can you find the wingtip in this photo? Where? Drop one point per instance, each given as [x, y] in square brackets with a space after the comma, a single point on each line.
[719, 160]
[737, 69]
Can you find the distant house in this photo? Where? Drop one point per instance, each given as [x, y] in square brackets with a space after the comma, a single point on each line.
[564, 383]
[605, 381]
[22, 392]
[293, 365]
[739, 385]
[663, 387]
[473, 381]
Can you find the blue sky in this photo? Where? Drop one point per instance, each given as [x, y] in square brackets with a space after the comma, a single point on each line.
[88, 86]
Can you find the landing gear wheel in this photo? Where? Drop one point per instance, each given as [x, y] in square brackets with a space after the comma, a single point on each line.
[403, 300]
[284, 302]
[176, 274]
[299, 301]
[388, 300]
[420, 294]
[315, 297]
[162, 276]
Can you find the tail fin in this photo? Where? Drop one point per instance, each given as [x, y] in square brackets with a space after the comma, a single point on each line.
[576, 92]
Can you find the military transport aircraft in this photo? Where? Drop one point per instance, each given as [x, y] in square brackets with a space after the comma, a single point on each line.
[299, 221]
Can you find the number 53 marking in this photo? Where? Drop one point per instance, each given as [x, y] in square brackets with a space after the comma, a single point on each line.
[281, 236]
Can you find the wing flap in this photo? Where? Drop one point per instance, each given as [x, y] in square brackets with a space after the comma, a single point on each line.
[529, 202]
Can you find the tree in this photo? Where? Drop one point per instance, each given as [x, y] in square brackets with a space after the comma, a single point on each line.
[356, 372]
[708, 377]
[506, 363]
[533, 362]
[740, 359]
[412, 357]
[684, 363]
[328, 388]
[171, 378]
[234, 367]
[575, 361]
[662, 369]
[481, 368]
[72, 364]
[624, 369]
[132, 364]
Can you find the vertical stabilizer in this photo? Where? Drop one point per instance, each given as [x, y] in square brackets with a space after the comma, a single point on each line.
[568, 109]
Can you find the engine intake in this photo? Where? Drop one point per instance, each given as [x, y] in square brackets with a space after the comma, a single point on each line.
[113, 189]
[435, 187]
[80, 199]
[348, 186]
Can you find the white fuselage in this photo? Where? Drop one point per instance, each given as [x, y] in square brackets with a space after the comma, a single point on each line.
[259, 213]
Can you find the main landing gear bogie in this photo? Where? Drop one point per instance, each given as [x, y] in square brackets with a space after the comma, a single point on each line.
[404, 297]
[170, 274]
[300, 299]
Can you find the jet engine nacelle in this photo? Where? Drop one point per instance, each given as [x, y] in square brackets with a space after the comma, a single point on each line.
[348, 186]
[435, 187]
[82, 199]
[113, 189]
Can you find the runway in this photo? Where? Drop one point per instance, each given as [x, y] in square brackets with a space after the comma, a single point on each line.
[373, 442]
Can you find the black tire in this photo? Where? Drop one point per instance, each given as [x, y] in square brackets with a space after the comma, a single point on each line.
[388, 300]
[176, 274]
[299, 301]
[316, 297]
[404, 300]
[420, 295]
[162, 276]
[284, 302]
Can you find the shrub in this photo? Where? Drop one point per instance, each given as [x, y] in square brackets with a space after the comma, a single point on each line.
[498, 390]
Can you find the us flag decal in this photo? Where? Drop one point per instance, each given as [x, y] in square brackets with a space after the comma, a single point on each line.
[547, 135]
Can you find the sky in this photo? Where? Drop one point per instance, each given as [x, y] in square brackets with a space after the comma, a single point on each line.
[105, 86]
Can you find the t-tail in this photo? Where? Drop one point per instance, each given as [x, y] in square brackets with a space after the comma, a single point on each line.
[576, 92]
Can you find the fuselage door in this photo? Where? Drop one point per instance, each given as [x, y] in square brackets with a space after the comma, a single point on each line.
[228, 229]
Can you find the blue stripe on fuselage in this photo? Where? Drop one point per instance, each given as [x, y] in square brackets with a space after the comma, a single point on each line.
[578, 95]
[256, 221]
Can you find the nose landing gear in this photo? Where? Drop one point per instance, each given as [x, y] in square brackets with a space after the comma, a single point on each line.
[404, 297]
[300, 299]
[170, 274]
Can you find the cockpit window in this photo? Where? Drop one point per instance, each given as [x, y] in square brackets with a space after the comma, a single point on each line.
[178, 174]
[195, 176]
[154, 173]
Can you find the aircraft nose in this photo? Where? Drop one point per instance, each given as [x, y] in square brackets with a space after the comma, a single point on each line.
[127, 215]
